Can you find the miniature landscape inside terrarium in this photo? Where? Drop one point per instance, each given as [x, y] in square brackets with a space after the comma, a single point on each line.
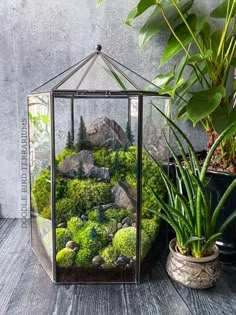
[96, 199]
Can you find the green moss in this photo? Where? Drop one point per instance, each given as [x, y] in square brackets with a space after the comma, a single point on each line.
[41, 191]
[151, 227]
[84, 257]
[88, 193]
[65, 257]
[110, 226]
[109, 255]
[92, 235]
[125, 242]
[102, 157]
[46, 213]
[75, 224]
[118, 214]
[65, 209]
[62, 237]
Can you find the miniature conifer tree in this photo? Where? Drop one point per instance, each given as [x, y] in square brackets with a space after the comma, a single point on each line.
[82, 142]
[69, 141]
[129, 133]
[117, 165]
[93, 234]
[100, 215]
[80, 171]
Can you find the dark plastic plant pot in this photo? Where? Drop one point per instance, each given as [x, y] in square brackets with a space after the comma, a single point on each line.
[217, 185]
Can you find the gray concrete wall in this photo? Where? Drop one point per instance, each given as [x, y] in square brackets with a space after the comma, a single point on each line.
[38, 39]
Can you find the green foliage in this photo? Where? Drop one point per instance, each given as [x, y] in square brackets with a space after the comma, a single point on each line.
[125, 242]
[46, 213]
[204, 94]
[65, 257]
[82, 142]
[151, 227]
[41, 191]
[109, 255]
[92, 235]
[65, 209]
[80, 171]
[75, 224]
[196, 226]
[129, 133]
[88, 193]
[118, 214]
[62, 237]
[102, 158]
[69, 142]
[84, 257]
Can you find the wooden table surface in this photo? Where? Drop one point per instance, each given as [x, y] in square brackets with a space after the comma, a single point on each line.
[26, 289]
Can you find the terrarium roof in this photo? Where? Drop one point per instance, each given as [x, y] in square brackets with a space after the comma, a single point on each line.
[98, 72]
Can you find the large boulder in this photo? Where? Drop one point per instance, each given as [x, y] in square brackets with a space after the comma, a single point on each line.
[72, 162]
[124, 196]
[105, 132]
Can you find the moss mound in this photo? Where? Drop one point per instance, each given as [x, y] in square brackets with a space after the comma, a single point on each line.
[65, 257]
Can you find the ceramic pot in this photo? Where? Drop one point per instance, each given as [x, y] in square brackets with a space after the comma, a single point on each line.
[196, 273]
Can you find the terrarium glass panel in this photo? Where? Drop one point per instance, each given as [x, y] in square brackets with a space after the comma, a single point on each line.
[40, 178]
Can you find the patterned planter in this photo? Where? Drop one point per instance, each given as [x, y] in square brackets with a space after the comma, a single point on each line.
[195, 273]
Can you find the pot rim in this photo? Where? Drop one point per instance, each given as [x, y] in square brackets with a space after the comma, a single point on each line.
[193, 259]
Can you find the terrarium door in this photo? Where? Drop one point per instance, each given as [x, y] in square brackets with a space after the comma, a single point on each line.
[40, 179]
[97, 208]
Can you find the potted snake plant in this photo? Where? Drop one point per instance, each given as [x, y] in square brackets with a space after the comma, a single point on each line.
[201, 84]
[193, 258]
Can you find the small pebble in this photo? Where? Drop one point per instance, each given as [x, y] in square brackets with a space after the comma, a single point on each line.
[110, 236]
[134, 224]
[83, 217]
[61, 225]
[122, 260]
[97, 261]
[76, 249]
[71, 245]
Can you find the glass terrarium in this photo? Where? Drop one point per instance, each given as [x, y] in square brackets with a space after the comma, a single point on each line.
[94, 132]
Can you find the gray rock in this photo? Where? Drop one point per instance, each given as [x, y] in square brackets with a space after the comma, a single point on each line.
[124, 195]
[119, 226]
[70, 166]
[71, 245]
[72, 162]
[102, 173]
[125, 225]
[122, 260]
[104, 132]
[127, 221]
[97, 261]
[61, 225]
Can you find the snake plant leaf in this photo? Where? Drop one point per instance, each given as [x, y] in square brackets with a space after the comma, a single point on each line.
[203, 103]
[173, 46]
[193, 239]
[233, 62]
[220, 11]
[211, 241]
[142, 6]
[156, 21]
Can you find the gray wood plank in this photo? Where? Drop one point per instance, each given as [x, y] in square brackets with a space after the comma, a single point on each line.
[220, 300]
[14, 249]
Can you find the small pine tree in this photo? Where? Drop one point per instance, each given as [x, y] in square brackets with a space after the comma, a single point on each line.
[69, 142]
[129, 133]
[93, 234]
[80, 171]
[100, 215]
[117, 165]
[82, 142]
[126, 147]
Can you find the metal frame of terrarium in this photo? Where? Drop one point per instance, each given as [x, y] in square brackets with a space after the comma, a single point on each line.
[55, 92]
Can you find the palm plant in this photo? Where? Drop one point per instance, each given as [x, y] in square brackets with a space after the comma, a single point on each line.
[189, 208]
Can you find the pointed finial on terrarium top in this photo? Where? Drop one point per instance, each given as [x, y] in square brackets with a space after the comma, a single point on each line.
[98, 47]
